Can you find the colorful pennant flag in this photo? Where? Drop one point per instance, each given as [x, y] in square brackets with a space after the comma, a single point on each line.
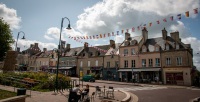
[133, 29]
[108, 34]
[90, 37]
[138, 27]
[150, 24]
[171, 18]
[187, 14]
[100, 36]
[196, 11]
[93, 36]
[113, 34]
[165, 20]
[127, 30]
[104, 35]
[97, 36]
[117, 32]
[87, 37]
[158, 22]
[179, 16]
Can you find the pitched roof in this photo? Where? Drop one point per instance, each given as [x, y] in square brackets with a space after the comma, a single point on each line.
[114, 51]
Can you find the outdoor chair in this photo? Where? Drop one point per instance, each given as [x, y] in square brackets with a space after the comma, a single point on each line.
[98, 91]
[92, 97]
[110, 92]
[73, 97]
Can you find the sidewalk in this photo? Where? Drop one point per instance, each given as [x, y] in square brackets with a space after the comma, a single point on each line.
[60, 97]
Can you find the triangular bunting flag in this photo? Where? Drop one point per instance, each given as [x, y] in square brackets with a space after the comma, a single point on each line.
[171, 18]
[179, 16]
[187, 14]
[196, 11]
[133, 29]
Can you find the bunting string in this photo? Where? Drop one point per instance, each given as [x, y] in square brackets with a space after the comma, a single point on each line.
[133, 29]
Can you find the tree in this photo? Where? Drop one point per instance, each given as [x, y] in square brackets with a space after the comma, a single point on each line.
[6, 39]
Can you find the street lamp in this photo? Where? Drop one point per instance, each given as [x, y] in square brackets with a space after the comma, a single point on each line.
[18, 38]
[59, 46]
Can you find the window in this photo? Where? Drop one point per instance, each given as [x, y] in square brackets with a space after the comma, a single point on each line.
[168, 61]
[157, 48]
[81, 64]
[167, 47]
[132, 63]
[125, 52]
[177, 46]
[88, 63]
[150, 62]
[132, 51]
[96, 62]
[143, 62]
[144, 49]
[108, 64]
[116, 64]
[157, 62]
[126, 64]
[179, 60]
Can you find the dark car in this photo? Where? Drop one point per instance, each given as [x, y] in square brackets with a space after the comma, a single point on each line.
[88, 78]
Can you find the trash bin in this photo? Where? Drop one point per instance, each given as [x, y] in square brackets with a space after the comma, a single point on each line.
[21, 91]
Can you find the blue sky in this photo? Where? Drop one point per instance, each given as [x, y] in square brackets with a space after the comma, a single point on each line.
[41, 20]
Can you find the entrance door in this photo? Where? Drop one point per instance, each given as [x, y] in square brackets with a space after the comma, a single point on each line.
[174, 78]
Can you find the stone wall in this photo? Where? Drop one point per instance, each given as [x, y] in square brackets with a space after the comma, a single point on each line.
[21, 98]
[10, 61]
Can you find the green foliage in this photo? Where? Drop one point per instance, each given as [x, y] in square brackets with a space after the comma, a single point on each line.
[45, 81]
[5, 39]
[6, 94]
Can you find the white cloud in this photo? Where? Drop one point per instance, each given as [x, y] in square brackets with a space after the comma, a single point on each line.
[109, 15]
[25, 44]
[54, 33]
[195, 43]
[10, 16]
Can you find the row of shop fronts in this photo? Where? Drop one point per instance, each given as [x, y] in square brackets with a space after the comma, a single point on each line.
[174, 76]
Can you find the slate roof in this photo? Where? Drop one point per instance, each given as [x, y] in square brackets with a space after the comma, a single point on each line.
[151, 43]
[137, 38]
[72, 51]
[114, 51]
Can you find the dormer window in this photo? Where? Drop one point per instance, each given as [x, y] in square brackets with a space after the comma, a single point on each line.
[75, 53]
[177, 46]
[83, 54]
[91, 54]
[144, 49]
[167, 46]
[157, 48]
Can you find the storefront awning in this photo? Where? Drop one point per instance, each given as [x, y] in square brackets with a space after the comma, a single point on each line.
[60, 68]
[138, 69]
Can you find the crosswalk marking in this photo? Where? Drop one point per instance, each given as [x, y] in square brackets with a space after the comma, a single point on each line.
[139, 88]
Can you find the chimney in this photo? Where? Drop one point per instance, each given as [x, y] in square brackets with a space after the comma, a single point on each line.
[145, 34]
[44, 49]
[36, 44]
[112, 44]
[63, 44]
[86, 48]
[175, 36]
[68, 47]
[127, 35]
[164, 34]
[18, 49]
[31, 45]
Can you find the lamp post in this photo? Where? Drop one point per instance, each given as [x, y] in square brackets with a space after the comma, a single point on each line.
[58, 52]
[18, 38]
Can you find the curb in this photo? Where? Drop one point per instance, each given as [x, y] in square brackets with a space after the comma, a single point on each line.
[127, 98]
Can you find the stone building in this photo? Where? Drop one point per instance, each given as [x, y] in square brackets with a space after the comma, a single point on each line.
[111, 62]
[90, 59]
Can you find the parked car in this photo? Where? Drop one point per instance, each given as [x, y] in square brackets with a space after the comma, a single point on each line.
[88, 78]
